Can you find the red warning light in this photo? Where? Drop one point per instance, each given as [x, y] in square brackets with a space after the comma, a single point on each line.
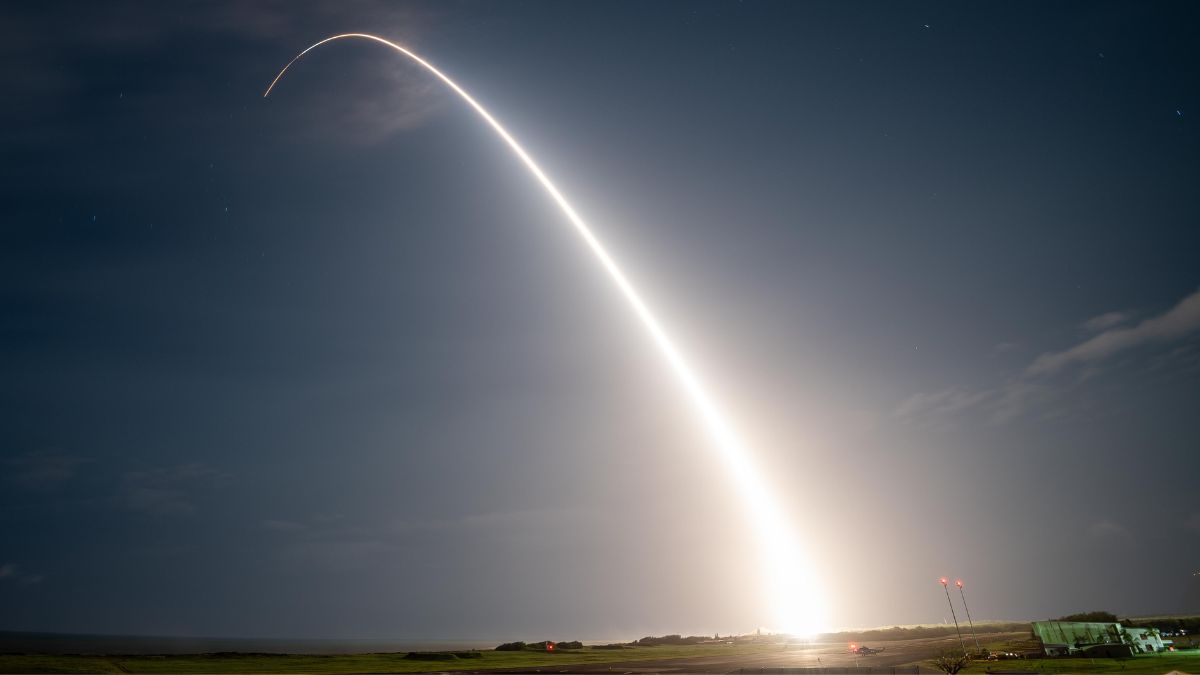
[549, 646]
[853, 646]
[958, 582]
[944, 581]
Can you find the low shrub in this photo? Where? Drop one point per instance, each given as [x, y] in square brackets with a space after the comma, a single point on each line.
[431, 656]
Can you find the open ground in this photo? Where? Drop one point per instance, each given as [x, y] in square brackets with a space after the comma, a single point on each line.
[749, 657]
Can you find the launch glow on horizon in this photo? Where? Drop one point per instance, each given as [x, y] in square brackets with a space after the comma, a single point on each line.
[796, 599]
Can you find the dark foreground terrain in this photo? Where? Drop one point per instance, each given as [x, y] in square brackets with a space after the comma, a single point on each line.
[833, 656]
[758, 657]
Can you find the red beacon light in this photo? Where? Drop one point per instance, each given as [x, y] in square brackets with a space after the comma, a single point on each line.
[944, 581]
[549, 646]
[958, 582]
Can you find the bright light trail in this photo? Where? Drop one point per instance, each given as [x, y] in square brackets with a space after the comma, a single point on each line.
[796, 598]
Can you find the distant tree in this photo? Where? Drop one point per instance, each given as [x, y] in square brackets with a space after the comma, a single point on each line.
[1096, 617]
[511, 647]
[675, 639]
[951, 661]
[443, 656]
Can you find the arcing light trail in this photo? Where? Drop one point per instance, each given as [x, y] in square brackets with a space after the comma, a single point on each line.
[796, 598]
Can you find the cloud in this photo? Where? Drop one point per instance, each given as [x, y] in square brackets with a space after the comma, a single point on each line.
[939, 403]
[10, 572]
[167, 491]
[337, 545]
[1015, 398]
[334, 529]
[43, 469]
[50, 58]
[1193, 523]
[380, 95]
[1104, 321]
[1001, 404]
[1004, 347]
[1108, 530]
[283, 526]
[1177, 322]
[132, 24]
[1041, 383]
[344, 542]
[1182, 359]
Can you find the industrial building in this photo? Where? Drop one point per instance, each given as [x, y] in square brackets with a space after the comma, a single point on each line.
[1067, 638]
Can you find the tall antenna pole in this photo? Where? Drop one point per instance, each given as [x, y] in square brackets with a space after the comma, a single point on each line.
[959, 583]
[944, 581]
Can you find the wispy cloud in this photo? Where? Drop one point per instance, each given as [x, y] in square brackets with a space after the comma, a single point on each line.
[42, 469]
[1193, 523]
[1179, 321]
[335, 528]
[400, 97]
[1104, 321]
[334, 543]
[940, 403]
[167, 491]
[1182, 359]
[1004, 347]
[1016, 397]
[1108, 531]
[1044, 380]
[283, 526]
[11, 573]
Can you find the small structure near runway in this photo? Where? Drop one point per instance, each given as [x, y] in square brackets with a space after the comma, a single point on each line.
[1096, 639]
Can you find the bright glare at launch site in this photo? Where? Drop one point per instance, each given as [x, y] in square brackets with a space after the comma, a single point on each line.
[651, 337]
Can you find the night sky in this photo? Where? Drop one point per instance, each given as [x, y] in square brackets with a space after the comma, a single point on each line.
[331, 364]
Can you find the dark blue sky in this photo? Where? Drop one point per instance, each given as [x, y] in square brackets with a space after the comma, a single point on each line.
[331, 364]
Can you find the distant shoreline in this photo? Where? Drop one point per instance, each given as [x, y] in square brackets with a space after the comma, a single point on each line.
[38, 642]
[31, 642]
[34, 642]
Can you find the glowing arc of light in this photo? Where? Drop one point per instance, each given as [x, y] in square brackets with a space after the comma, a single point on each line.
[792, 582]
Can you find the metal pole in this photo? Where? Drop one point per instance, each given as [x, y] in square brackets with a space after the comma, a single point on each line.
[971, 623]
[946, 588]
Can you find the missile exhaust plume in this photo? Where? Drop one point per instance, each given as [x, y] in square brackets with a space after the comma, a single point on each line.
[796, 598]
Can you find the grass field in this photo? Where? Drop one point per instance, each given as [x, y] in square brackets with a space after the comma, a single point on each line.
[351, 663]
[1188, 662]
[726, 657]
